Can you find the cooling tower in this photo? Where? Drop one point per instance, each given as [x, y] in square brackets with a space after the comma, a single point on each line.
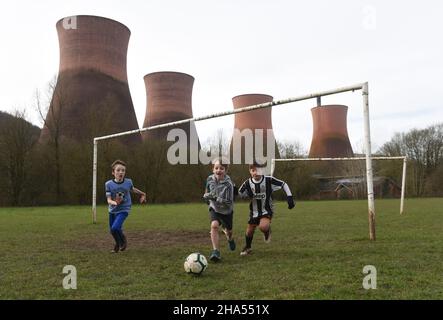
[253, 120]
[330, 133]
[91, 97]
[168, 98]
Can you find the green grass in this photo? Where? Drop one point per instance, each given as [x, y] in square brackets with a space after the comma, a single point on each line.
[318, 251]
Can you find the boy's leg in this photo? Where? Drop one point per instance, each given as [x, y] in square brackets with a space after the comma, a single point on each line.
[125, 242]
[114, 234]
[265, 227]
[215, 254]
[122, 240]
[117, 229]
[248, 237]
[227, 229]
[250, 234]
[214, 234]
[231, 241]
[122, 217]
[111, 220]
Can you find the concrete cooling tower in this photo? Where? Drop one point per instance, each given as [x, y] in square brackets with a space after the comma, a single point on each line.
[253, 120]
[330, 134]
[91, 97]
[168, 98]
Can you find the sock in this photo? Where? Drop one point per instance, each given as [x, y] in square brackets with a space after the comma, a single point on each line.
[248, 241]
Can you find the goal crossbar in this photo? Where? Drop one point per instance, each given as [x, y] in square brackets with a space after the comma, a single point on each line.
[403, 178]
[230, 112]
[361, 86]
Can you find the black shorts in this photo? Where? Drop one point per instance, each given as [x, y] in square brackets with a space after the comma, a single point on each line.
[256, 221]
[225, 220]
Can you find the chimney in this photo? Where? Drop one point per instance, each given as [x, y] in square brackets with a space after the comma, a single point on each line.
[253, 120]
[330, 134]
[91, 96]
[168, 99]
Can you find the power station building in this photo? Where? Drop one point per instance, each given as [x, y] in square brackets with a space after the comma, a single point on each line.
[258, 123]
[330, 134]
[91, 96]
[168, 99]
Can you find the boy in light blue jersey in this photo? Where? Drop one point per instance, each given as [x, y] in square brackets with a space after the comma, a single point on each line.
[119, 201]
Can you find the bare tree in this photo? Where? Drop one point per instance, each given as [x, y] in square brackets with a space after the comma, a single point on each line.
[17, 136]
[290, 150]
[151, 165]
[218, 144]
[52, 126]
[424, 148]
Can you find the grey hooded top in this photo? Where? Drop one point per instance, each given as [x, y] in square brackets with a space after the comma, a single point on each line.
[220, 194]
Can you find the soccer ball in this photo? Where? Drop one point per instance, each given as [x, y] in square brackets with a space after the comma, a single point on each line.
[196, 263]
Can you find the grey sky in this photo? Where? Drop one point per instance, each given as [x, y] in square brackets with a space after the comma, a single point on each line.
[232, 47]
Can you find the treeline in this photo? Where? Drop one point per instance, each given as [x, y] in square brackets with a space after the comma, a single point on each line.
[424, 149]
[59, 171]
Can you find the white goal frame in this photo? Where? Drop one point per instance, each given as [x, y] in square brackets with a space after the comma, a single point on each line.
[403, 178]
[366, 126]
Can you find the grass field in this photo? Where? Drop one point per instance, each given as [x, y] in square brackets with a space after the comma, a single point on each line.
[318, 251]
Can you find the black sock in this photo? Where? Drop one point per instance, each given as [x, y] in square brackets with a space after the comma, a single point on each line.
[248, 240]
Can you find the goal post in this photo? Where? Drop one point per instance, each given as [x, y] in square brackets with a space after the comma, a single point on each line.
[367, 137]
[403, 179]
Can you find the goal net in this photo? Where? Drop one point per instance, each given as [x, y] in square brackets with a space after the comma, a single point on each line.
[343, 178]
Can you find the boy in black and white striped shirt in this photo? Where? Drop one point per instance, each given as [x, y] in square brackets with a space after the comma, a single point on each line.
[259, 189]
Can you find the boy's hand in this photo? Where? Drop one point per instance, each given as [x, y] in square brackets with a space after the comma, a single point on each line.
[118, 201]
[291, 202]
[208, 196]
[143, 198]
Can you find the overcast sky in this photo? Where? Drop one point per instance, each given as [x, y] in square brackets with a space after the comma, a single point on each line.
[231, 47]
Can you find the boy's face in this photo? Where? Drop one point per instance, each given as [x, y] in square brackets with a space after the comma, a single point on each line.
[256, 173]
[119, 172]
[219, 171]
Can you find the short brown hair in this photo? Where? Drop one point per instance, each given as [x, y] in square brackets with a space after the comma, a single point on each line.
[116, 162]
[223, 162]
[256, 165]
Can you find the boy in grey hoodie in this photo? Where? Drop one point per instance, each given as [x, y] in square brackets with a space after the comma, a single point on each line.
[219, 194]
